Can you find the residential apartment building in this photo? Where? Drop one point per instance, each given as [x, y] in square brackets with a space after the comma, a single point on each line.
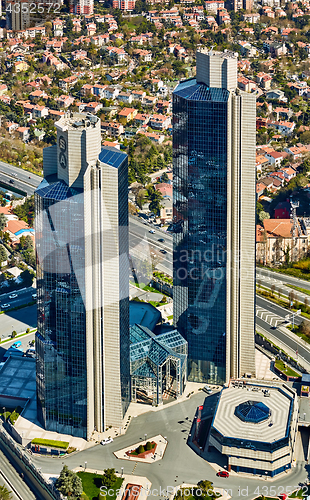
[214, 220]
[81, 6]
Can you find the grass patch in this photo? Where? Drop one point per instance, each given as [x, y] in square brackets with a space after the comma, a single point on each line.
[142, 286]
[11, 414]
[298, 289]
[51, 442]
[91, 486]
[302, 492]
[289, 372]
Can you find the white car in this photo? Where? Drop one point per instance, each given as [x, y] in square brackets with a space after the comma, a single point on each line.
[106, 441]
[13, 296]
[152, 231]
[34, 296]
[5, 306]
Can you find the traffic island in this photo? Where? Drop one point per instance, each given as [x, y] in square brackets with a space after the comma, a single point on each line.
[148, 451]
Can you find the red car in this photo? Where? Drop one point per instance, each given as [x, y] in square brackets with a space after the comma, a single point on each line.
[223, 473]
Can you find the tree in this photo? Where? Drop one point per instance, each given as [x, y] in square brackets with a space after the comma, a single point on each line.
[109, 477]
[164, 177]
[155, 198]
[140, 198]
[69, 483]
[3, 254]
[305, 328]
[2, 222]
[263, 215]
[5, 494]
[27, 277]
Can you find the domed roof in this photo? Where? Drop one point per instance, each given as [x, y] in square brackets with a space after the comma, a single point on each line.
[252, 411]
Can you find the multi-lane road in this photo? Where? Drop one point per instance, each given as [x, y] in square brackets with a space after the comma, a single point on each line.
[23, 180]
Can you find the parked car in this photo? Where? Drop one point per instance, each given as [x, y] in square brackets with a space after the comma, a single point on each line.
[207, 389]
[223, 473]
[11, 181]
[106, 441]
[34, 296]
[152, 231]
[13, 296]
[162, 250]
[5, 306]
[30, 353]
[17, 344]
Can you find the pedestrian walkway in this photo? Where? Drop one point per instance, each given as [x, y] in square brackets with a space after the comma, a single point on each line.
[269, 317]
[263, 367]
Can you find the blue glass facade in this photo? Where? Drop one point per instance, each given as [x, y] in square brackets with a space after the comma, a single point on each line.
[61, 335]
[79, 327]
[200, 226]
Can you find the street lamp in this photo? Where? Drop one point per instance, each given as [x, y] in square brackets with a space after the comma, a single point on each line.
[85, 466]
[145, 436]
[122, 470]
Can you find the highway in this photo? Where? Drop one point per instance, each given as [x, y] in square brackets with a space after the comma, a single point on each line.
[265, 276]
[13, 482]
[23, 297]
[22, 181]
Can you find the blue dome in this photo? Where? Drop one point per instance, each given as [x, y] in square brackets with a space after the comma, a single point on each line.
[253, 411]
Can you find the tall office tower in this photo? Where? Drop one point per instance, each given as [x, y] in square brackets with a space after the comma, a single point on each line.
[82, 342]
[214, 219]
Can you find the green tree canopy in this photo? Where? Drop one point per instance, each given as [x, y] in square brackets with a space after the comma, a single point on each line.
[3, 254]
[5, 494]
[2, 222]
[27, 277]
[109, 477]
[69, 483]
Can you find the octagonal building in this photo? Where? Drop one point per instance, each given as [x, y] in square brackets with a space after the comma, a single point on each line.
[255, 425]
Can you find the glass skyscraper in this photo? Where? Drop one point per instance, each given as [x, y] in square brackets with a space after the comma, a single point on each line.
[214, 219]
[82, 342]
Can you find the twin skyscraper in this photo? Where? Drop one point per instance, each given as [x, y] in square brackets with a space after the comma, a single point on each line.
[82, 342]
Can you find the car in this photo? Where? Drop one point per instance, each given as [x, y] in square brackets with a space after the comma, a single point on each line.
[223, 473]
[34, 296]
[11, 181]
[5, 306]
[152, 231]
[106, 441]
[30, 353]
[162, 250]
[17, 344]
[207, 389]
[13, 296]
[161, 240]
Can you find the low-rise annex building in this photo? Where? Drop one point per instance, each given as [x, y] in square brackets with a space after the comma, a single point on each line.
[255, 425]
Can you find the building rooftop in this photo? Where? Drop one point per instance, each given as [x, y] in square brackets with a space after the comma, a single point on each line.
[277, 406]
